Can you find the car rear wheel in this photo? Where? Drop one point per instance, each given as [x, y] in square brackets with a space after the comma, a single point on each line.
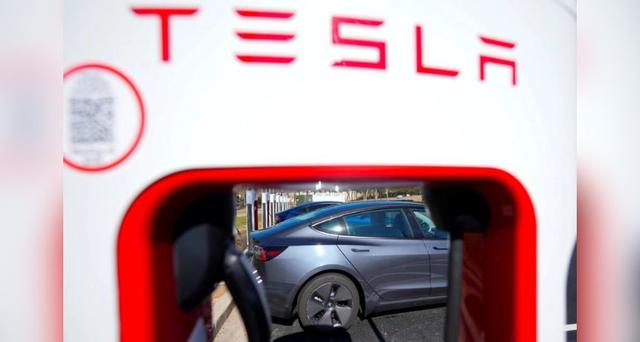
[330, 300]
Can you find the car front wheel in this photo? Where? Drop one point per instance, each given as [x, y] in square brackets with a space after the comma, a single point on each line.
[330, 300]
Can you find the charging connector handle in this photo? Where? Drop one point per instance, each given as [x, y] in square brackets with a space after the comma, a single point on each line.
[248, 295]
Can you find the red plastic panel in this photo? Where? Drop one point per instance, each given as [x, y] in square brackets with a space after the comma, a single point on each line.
[499, 287]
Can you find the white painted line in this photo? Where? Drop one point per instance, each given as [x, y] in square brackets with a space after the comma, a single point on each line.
[571, 327]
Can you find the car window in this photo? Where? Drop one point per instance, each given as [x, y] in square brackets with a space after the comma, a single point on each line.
[389, 223]
[334, 226]
[292, 212]
[302, 210]
[320, 206]
[312, 207]
[427, 226]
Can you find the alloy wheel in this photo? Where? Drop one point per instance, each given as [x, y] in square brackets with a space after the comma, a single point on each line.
[330, 304]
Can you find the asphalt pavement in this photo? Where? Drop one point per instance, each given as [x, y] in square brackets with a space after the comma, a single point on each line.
[426, 324]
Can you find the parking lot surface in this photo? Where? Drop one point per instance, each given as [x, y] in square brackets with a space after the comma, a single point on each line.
[426, 324]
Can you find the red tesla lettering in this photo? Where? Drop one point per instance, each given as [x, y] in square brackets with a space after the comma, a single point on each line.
[381, 63]
[164, 14]
[248, 13]
[265, 59]
[420, 68]
[265, 36]
[484, 60]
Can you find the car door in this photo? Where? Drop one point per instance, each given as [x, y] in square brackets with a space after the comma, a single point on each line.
[383, 248]
[437, 244]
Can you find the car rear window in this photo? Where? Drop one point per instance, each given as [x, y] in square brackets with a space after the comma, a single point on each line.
[335, 226]
[294, 221]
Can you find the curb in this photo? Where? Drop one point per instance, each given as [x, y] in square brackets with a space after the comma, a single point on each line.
[221, 307]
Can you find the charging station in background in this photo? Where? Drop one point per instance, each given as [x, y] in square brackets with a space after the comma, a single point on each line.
[166, 104]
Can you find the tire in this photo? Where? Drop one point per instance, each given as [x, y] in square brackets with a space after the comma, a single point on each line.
[329, 301]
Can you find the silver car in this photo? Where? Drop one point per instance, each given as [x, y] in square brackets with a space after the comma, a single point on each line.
[328, 265]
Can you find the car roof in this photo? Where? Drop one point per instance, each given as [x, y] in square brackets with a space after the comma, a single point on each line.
[319, 202]
[375, 203]
[309, 204]
[357, 206]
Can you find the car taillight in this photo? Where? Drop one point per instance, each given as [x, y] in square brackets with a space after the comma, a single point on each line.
[267, 253]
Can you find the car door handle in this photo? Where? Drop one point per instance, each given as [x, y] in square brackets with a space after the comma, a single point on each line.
[440, 248]
[359, 250]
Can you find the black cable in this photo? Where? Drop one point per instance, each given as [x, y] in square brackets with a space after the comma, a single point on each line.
[248, 296]
[457, 209]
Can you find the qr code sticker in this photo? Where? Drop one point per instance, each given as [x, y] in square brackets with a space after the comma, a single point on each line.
[92, 112]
